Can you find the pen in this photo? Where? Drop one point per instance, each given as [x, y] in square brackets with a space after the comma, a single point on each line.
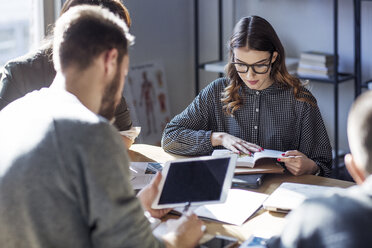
[186, 208]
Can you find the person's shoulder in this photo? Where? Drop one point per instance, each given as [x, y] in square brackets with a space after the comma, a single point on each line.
[220, 83]
[217, 85]
[33, 58]
[83, 127]
[337, 202]
[305, 93]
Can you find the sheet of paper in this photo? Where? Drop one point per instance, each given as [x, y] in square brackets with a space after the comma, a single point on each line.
[141, 168]
[138, 168]
[140, 181]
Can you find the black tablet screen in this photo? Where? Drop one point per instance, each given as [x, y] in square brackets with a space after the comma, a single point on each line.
[194, 181]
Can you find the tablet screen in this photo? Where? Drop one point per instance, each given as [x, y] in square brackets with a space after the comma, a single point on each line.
[194, 181]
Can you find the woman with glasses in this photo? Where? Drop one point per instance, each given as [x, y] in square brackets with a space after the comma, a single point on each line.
[259, 105]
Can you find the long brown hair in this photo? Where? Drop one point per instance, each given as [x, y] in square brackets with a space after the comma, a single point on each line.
[256, 33]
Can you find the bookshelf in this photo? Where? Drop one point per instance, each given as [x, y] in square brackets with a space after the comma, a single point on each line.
[335, 80]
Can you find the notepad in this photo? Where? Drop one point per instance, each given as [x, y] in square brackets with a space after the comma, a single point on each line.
[289, 196]
[239, 206]
[245, 160]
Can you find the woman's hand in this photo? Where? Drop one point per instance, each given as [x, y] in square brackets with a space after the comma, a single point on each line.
[233, 143]
[147, 196]
[298, 163]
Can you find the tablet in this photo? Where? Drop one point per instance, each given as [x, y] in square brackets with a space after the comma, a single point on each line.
[199, 181]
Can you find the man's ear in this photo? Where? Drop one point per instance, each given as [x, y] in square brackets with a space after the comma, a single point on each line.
[357, 174]
[111, 61]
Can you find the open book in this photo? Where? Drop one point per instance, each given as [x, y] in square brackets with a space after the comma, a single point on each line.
[245, 160]
[239, 206]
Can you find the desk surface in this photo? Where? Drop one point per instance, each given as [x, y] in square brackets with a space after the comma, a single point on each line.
[263, 223]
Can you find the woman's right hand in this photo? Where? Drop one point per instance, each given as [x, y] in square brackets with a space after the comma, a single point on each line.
[233, 143]
[188, 231]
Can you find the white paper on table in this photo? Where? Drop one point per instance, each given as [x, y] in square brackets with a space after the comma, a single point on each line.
[239, 206]
[141, 181]
[138, 168]
[289, 196]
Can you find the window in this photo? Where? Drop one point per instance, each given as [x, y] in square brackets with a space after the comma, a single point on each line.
[15, 23]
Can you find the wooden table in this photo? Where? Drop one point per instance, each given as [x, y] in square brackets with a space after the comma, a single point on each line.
[263, 223]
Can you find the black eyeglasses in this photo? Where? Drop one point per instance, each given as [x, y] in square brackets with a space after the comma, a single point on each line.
[257, 68]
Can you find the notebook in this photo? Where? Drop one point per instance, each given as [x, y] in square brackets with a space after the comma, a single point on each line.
[289, 196]
[239, 206]
[248, 181]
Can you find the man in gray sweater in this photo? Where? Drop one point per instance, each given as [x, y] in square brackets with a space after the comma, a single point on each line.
[64, 177]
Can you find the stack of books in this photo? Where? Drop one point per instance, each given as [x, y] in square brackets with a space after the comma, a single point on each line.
[316, 65]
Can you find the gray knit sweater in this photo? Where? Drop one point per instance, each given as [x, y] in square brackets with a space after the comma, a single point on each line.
[64, 178]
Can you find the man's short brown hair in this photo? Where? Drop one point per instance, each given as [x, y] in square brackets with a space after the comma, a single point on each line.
[84, 32]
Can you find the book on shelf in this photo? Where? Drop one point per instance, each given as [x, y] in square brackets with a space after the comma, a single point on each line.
[317, 56]
[306, 66]
[218, 66]
[316, 64]
[314, 72]
[313, 75]
[291, 64]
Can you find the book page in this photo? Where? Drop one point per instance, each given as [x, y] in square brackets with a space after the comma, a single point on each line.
[244, 160]
[267, 154]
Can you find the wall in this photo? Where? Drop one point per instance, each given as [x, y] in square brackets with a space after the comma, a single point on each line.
[164, 31]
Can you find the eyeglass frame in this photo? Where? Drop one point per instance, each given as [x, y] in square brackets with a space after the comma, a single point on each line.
[252, 65]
